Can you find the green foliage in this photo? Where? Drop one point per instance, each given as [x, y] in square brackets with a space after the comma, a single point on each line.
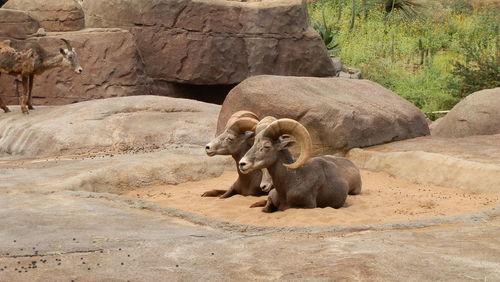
[479, 71]
[326, 34]
[423, 54]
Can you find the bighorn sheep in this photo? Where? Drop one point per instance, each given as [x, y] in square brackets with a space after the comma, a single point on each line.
[27, 58]
[236, 139]
[306, 183]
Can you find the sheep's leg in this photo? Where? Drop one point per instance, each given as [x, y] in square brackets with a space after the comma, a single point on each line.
[213, 193]
[229, 193]
[272, 202]
[30, 105]
[23, 100]
[259, 204]
[2, 104]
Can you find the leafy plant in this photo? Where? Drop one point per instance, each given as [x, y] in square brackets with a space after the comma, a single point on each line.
[326, 34]
[480, 70]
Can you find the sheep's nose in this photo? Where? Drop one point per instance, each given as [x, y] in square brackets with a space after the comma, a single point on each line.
[79, 70]
[243, 164]
[207, 147]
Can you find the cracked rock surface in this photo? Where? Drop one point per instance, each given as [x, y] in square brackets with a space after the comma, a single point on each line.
[216, 42]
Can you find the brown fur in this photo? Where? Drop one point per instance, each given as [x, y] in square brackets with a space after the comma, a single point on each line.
[26, 59]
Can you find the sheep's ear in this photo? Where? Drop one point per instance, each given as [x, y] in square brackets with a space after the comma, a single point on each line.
[285, 142]
[62, 51]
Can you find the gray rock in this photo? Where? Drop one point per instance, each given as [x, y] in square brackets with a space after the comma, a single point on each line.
[477, 114]
[53, 15]
[339, 113]
[125, 124]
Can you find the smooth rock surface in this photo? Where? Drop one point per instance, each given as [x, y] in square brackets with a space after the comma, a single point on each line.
[125, 124]
[100, 237]
[112, 173]
[339, 113]
[469, 163]
[53, 15]
[477, 114]
[111, 68]
[217, 42]
[16, 24]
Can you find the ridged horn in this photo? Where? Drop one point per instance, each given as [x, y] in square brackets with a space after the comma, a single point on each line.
[243, 124]
[263, 123]
[240, 114]
[298, 131]
[67, 44]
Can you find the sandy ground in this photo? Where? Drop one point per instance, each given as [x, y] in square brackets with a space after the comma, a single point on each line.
[384, 199]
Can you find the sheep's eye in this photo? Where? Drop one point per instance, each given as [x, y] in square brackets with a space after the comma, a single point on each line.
[267, 146]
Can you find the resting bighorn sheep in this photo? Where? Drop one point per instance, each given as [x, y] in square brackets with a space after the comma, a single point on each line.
[27, 59]
[306, 183]
[236, 139]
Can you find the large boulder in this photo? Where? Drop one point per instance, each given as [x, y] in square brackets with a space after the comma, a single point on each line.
[53, 15]
[16, 24]
[217, 42]
[112, 67]
[339, 113]
[478, 114]
[124, 124]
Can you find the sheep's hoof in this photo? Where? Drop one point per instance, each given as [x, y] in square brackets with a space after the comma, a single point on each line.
[6, 110]
[30, 107]
[25, 111]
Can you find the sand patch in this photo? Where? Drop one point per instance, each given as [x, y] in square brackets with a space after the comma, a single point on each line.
[384, 199]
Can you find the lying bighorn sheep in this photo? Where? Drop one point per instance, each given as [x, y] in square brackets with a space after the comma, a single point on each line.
[306, 183]
[236, 139]
[27, 58]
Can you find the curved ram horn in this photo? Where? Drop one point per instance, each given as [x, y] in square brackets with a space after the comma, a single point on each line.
[67, 44]
[243, 124]
[298, 131]
[240, 114]
[264, 123]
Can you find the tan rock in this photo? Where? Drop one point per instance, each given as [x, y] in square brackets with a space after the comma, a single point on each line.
[116, 125]
[478, 114]
[16, 24]
[339, 113]
[53, 15]
[471, 163]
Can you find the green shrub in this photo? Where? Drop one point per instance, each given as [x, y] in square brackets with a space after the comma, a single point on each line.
[479, 71]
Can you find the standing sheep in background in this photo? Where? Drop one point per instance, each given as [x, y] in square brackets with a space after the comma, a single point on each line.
[236, 139]
[27, 58]
[306, 183]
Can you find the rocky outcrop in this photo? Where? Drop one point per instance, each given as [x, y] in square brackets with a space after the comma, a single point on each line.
[116, 125]
[53, 15]
[478, 114]
[217, 42]
[339, 113]
[112, 67]
[470, 163]
[16, 24]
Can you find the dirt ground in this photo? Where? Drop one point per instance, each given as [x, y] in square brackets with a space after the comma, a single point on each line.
[384, 199]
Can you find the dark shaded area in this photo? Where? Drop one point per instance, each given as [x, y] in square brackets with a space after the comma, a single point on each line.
[2, 2]
[214, 94]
